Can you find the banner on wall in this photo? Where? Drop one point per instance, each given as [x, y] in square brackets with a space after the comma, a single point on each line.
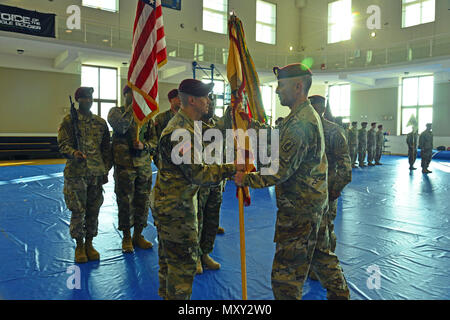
[172, 4]
[19, 20]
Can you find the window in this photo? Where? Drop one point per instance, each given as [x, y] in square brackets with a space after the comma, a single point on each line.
[219, 95]
[104, 81]
[267, 98]
[339, 21]
[266, 22]
[108, 5]
[416, 12]
[339, 97]
[215, 17]
[417, 100]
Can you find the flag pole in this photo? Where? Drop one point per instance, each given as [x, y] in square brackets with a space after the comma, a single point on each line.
[242, 242]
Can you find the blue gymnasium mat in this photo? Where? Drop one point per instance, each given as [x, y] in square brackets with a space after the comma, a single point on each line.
[441, 155]
[389, 219]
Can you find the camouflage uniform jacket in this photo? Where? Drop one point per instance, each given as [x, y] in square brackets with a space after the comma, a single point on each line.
[124, 134]
[353, 136]
[371, 139]
[426, 140]
[339, 163]
[380, 139]
[362, 138]
[174, 196]
[301, 180]
[94, 143]
[411, 139]
[161, 121]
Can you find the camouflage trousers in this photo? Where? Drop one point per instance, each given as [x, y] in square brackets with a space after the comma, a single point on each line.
[361, 155]
[209, 202]
[412, 155]
[84, 197]
[331, 216]
[310, 249]
[426, 155]
[177, 268]
[378, 152]
[132, 188]
[352, 148]
[370, 153]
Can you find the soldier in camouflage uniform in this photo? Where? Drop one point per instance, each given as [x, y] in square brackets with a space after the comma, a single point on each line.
[339, 164]
[371, 144]
[162, 119]
[301, 234]
[379, 145]
[209, 202]
[411, 141]
[132, 171]
[353, 142]
[346, 127]
[362, 144]
[85, 173]
[174, 200]
[426, 148]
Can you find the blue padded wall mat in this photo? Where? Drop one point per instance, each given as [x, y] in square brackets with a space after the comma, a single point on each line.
[389, 219]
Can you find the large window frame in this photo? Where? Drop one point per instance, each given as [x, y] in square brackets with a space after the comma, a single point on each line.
[340, 21]
[266, 26]
[103, 104]
[267, 96]
[416, 101]
[97, 4]
[339, 96]
[417, 12]
[211, 12]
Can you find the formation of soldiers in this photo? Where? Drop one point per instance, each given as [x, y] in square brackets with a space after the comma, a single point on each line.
[364, 143]
[315, 165]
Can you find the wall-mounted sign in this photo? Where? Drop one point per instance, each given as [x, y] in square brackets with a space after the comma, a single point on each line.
[172, 4]
[25, 21]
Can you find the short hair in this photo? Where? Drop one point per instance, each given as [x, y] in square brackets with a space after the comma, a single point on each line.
[184, 98]
[373, 123]
[319, 101]
[380, 126]
[354, 123]
[307, 81]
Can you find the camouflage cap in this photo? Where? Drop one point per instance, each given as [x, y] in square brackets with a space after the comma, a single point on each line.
[195, 87]
[292, 71]
[83, 92]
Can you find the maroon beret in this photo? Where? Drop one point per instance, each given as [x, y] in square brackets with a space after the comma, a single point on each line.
[292, 71]
[83, 92]
[126, 89]
[317, 99]
[172, 94]
[195, 87]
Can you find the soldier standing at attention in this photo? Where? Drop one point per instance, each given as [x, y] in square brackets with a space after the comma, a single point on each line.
[83, 138]
[411, 141]
[426, 148]
[339, 164]
[379, 145]
[162, 119]
[132, 172]
[209, 202]
[353, 142]
[346, 127]
[371, 144]
[174, 197]
[362, 144]
[301, 233]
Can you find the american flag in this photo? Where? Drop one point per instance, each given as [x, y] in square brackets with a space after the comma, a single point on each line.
[148, 54]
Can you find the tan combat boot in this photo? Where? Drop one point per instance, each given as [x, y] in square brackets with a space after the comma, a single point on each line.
[210, 263]
[139, 240]
[80, 252]
[91, 253]
[127, 243]
[199, 267]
